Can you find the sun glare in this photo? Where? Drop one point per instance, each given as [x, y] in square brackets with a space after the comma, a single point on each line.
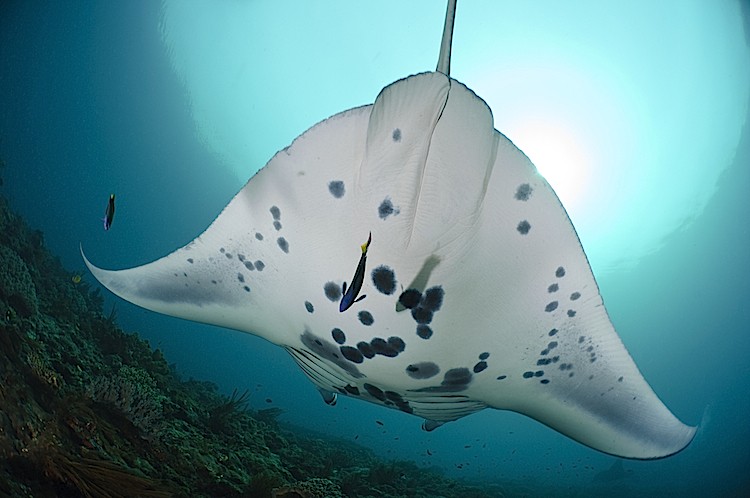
[559, 156]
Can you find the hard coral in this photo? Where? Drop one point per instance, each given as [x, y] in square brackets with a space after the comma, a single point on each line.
[16, 285]
[133, 392]
[311, 488]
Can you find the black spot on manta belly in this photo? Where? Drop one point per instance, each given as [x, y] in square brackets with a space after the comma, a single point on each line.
[397, 343]
[552, 332]
[384, 279]
[424, 331]
[241, 277]
[421, 315]
[190, 260]
[259, 265]
[275, 212]
[523, 192]
[338, 335]
[523, 227]
[386, 209]
[484, 356]
[366, 349]
[551, 307]
[283, 244]
[481, 365]
[249, 265]
[326, 350]
[575, 296]
[309, 307]
[458, 378]
[381, 347]
[422, 370]
[396, 136]
[365, 317]
[374, 391]
[336, 188]
[571, 313]
[332, 291]
[560, 272]
[433, 298]
[454, 380]
[410, 298]
[277, 225]
[352, 354]
[553, 288]
[258, 235]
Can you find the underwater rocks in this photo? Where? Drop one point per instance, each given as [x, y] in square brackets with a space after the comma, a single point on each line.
[311, 488]
[16, 286]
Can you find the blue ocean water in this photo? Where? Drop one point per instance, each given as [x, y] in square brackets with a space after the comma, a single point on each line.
[99, 98]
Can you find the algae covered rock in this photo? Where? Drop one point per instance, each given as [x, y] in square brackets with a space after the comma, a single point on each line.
[16, 286]
[311, 488]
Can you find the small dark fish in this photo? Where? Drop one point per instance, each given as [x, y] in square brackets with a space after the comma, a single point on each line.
[356, 437]
[429, 452]
[109, 214]
[269, 400]
[350, 295]
[379, 422]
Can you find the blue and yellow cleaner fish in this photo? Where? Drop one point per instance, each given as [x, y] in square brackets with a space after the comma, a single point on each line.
[109, 214]
[350, 295]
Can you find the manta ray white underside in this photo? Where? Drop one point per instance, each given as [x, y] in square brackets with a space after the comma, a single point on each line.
[478, 291]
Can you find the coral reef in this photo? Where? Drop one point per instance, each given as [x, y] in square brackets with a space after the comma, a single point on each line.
[16, 286]
[87, 410]
[311, 488]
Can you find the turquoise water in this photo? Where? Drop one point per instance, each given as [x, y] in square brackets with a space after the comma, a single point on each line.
[644, 110]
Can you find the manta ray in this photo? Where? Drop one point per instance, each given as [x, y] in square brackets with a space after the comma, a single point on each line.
[472, 292]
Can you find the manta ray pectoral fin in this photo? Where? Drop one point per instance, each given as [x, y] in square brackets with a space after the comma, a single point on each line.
[585, 385]
[237, 273]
